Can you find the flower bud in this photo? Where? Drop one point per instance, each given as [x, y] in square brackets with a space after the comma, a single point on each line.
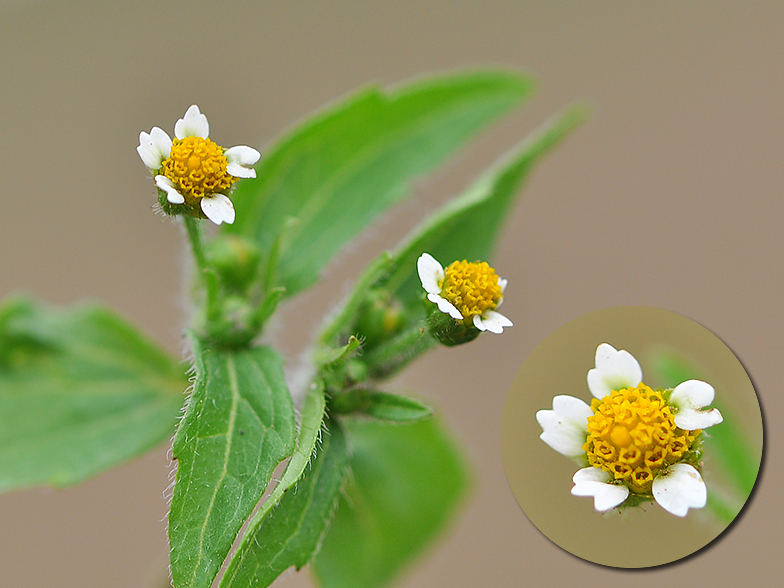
[236, 260]
[234, 325]
[380, 318]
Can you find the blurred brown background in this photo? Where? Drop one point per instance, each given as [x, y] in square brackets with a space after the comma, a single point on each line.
[670, 196]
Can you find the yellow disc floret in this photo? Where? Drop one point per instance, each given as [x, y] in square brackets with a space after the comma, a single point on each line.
[472, 287]
[197, 167]
[633, 435]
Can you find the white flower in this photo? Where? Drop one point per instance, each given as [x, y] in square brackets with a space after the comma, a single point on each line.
[193, 168]
[465, 291]
[635, 438]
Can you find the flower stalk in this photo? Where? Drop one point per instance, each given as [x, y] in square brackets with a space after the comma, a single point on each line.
[389, 357]
[205, 271]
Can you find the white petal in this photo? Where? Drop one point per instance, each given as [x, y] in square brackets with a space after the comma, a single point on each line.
[445, 306]
[240, 171]
[218, 208]
[241, 160]
[565, 428]
[193, 123]
[691, 420]
[243, 155]
[162, 141]
[692, 394]
[172, 195]
[680, 489]
[687, 399]
[591, 474]
[154, 147]
[573, 409]
[614, 370]
[563, 439]
[430, 273]
[150, 156]
[491, 321]
[502, 283]
[594, 483]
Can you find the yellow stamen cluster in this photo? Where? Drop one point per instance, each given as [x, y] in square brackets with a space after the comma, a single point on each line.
[197, 167]
[472, 287]
[632, 435]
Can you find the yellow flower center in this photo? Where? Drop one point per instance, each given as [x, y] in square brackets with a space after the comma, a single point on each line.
[632, 435]
[197, 167]
[472, 287]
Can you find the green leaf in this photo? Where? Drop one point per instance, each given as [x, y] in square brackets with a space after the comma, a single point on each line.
[380, 405]
[292, 531]
[335, 173]
[468, 226]
[407, 481]
[309, 430]
[81, 390]
[238, 425]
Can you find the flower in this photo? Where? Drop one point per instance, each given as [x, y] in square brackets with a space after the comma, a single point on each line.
[194, 171]
[638, 442]
[469, 292]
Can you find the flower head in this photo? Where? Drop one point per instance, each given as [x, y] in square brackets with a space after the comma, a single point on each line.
[192, 170]
[637, 441]
[469, 292]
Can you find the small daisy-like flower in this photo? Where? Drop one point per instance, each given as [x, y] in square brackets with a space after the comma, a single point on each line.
[640, 443]
[469, 292]
[194, 171]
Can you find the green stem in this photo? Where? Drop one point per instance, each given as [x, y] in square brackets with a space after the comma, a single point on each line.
[389, 357]
[345, 317]
[194, 229]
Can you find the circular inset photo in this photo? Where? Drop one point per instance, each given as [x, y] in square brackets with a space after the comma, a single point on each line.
[632, 437]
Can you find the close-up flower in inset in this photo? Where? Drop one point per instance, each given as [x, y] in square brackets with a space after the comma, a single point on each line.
[469, 292]
[638, 443]
[193, 170]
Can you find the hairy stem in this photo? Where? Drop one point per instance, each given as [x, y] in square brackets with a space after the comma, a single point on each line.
[206, 273]
[389, 357]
